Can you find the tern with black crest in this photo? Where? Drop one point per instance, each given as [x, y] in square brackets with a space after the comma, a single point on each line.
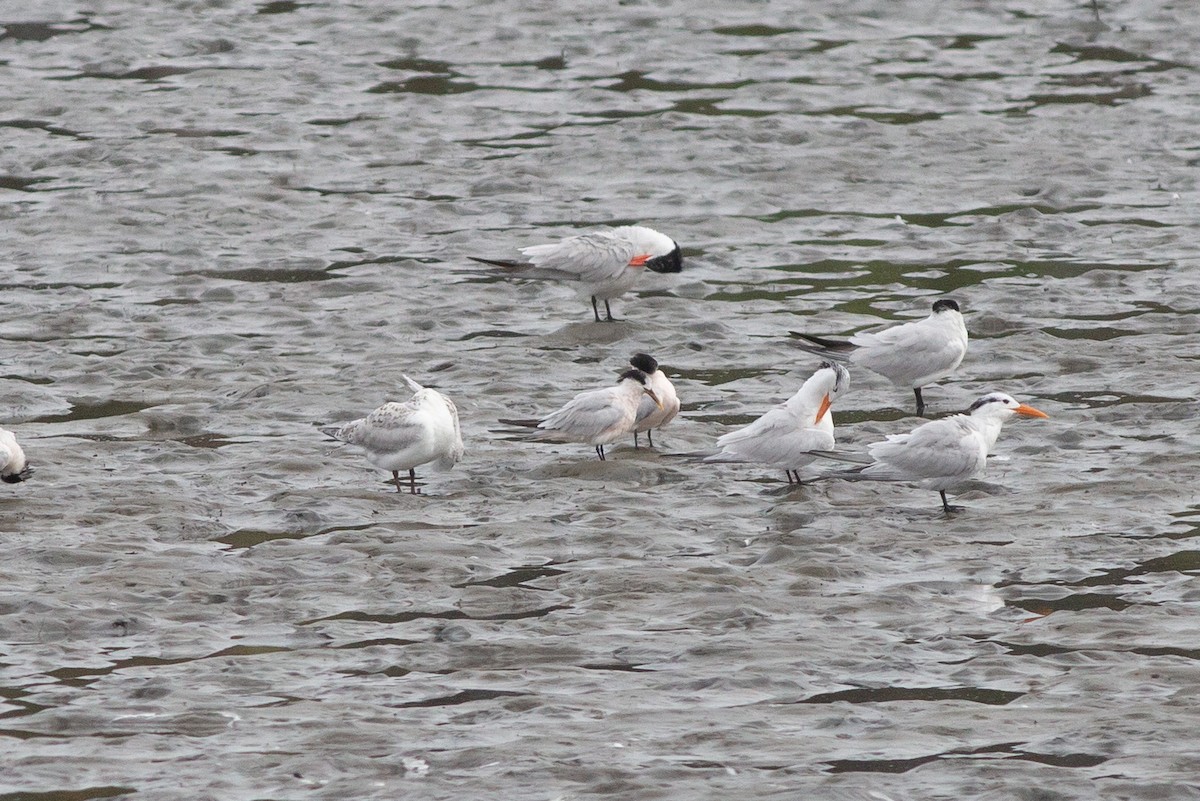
[651, 415]
[909, 355]
[598, 416]
[603, 264]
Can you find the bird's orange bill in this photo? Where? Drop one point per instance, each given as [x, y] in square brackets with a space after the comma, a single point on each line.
[1029, 411]
[639, 260]
[654, 398]
[825, 404]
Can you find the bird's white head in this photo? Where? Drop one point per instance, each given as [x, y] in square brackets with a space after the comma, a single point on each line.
[998, 406]
[831, 379]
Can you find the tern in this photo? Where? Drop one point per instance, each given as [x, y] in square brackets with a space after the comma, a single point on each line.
[13, 467]
[603, 264]
[598, 416]
[787, 435]
[942, 454]
[909, 355]
[652, 415]
[404, 436]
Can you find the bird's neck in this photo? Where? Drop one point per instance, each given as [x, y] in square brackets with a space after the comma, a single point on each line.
[989, 428]
[809, 397]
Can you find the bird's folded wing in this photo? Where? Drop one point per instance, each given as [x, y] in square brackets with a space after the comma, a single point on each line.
[776, 437]
[943, 448]
[587, 415]
[598, 256]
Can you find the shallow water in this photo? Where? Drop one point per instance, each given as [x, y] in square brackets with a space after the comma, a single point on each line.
[229, 223]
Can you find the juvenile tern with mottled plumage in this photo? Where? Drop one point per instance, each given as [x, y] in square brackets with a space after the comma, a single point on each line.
[942, 454]
[787, 435]
[598, 416]
[404, 436]
[909, 355]
[602, 264]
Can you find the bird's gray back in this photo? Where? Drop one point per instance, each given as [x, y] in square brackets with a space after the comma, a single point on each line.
[598, 256]
[592, 415]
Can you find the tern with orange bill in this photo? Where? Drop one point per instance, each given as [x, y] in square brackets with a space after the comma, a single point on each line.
[942, 454]
[787, 435]
[598, 416]
[602, 264]
[909, 355]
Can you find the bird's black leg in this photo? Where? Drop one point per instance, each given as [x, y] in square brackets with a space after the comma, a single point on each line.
[600, 452]
[595, 309]
[396, 479]
[650, 438]
[946, 506]
[920, 402]
[412, 480]
[608, 311]
[788, 473]
[635, 441]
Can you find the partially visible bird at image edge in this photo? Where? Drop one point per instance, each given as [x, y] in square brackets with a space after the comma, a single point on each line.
[13, 467]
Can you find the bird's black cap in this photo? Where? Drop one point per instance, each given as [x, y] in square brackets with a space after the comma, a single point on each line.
[17, 478]
[985, 400]
[670, 263]
[644, 362]
[943, 304]
[636, 375]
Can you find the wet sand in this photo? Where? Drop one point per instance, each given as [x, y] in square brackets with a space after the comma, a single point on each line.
[227, 225]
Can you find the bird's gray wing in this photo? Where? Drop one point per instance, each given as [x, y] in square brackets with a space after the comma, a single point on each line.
[587, 415]
[908, 352]
[775, 438]
[943, 448]
[393, 426]
[597, 256]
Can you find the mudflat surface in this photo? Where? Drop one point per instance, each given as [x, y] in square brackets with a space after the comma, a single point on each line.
[226, 224]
